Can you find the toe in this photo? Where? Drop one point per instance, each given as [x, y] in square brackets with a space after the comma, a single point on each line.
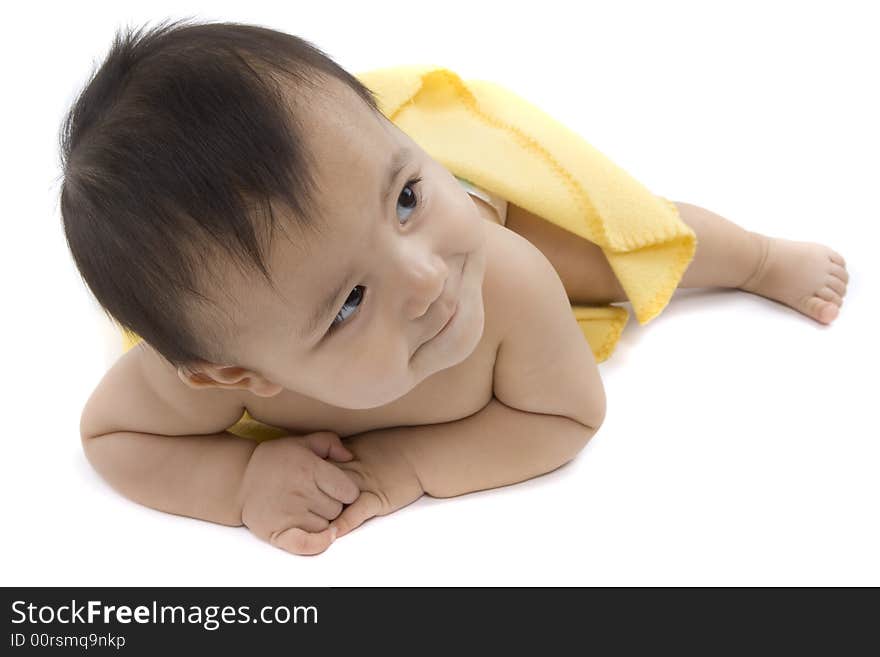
[836, 284]
[831, 295]
[829, 312]
[840, 272]
[837, 258]
[821, 310]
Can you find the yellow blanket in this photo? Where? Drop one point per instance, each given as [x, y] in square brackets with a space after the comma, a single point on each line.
[501, 142]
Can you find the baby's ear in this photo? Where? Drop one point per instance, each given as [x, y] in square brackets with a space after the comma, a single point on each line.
[195, 378]
[206, 375]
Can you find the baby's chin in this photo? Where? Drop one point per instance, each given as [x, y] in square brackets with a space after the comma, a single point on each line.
[404, 385]
[455, 348]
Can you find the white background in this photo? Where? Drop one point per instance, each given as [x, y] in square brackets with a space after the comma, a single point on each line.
[741, 442]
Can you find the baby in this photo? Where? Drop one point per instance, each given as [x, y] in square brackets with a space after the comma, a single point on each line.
[411, 333]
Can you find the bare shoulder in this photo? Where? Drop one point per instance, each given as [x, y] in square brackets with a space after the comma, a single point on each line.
[515, 266]
[544, 362]
[142, 392]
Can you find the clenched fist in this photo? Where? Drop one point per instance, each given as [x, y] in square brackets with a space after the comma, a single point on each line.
[290, 493]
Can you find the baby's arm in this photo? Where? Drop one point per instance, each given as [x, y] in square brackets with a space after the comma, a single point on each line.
[162, 444]
[549, 401]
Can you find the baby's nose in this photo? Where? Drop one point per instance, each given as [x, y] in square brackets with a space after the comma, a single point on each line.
[425, 284]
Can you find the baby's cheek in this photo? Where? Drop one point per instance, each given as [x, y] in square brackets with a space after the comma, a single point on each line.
[362, 383]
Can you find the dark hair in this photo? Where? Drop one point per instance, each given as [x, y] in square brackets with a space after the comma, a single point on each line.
[177, 149]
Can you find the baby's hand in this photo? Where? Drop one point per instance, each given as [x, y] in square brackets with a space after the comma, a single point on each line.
[289, 492]
[384, 476]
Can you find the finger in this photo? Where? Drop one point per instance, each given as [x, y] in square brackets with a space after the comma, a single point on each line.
[339, 452]
[323, 505]
[327, 444]
[297, 541]
[311, 522]
[364, 507]
[336, 483]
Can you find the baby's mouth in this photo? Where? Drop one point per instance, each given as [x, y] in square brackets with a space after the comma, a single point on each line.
[445, 324]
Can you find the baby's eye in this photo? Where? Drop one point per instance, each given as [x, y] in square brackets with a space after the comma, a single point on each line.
[341, 316]
[412, 198]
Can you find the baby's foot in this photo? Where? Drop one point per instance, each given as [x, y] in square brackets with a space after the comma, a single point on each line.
[807, 276]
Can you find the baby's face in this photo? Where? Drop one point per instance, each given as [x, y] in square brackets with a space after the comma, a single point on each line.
[365, 299]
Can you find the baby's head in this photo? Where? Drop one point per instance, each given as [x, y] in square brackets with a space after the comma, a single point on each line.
[237, 199]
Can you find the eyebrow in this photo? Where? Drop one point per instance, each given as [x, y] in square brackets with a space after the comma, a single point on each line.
[399, 160]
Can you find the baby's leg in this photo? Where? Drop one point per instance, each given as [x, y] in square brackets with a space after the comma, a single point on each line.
[581, 265]
[806, 276]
